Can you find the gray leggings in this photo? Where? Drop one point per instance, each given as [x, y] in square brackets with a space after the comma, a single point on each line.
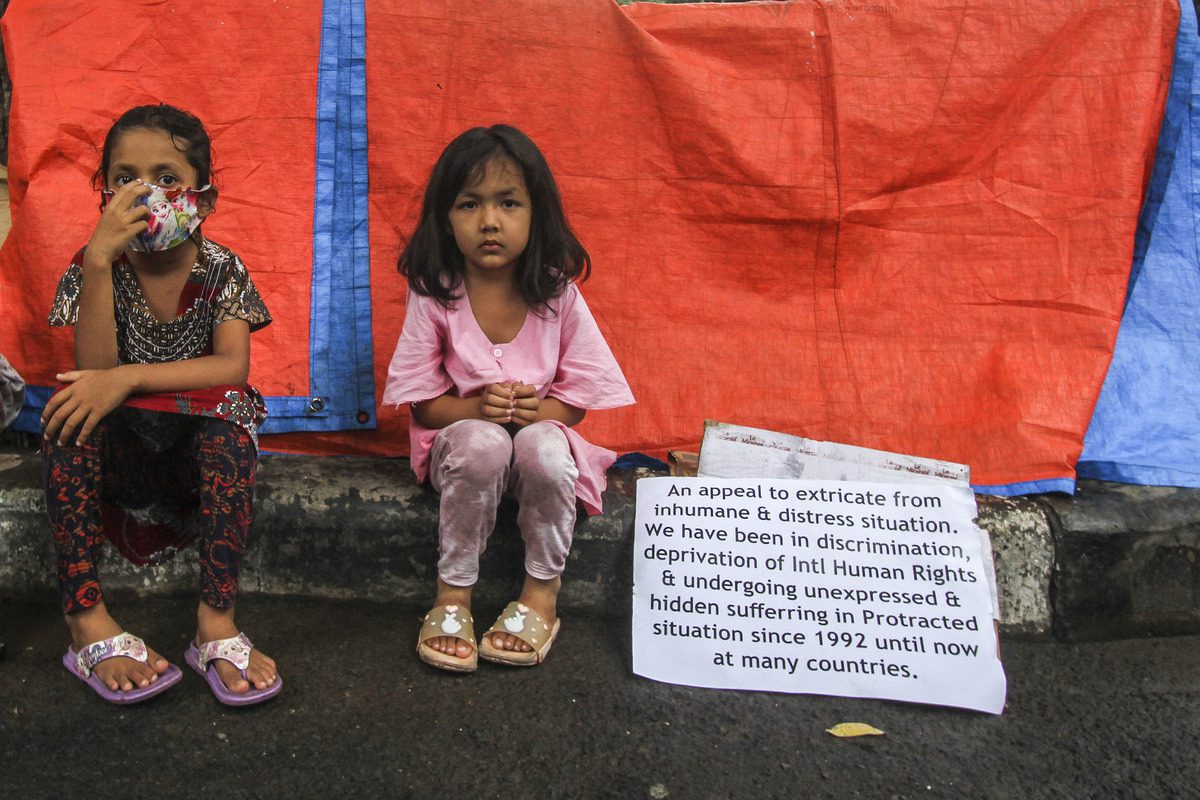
[472, 463]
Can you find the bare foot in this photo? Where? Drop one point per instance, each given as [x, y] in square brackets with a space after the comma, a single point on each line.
[121, 673]
[217, 623]
[542, 597]
[448, 595]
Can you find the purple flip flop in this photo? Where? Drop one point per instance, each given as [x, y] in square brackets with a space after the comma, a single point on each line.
[237, 652]
[124, 644]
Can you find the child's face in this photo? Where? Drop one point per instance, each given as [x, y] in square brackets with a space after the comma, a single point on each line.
[491, 217]
[150, 156]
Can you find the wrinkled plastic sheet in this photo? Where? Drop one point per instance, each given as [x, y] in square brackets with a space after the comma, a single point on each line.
[279, 87]
[900, 227]
[1146, 427]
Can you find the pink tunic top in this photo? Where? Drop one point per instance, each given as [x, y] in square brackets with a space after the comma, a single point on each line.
[443, 350]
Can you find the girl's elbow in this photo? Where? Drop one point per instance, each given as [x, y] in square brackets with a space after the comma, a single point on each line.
[421, 413]
[242, 373]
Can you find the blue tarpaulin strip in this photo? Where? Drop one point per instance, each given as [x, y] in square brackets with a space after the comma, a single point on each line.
[341, 357]
[1146, 426]
[1064, 485]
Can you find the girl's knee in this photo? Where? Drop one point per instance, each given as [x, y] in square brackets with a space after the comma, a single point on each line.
[542, 452]
[542, 437]
[226, 457]
[73, 454]
[476, 448]
[220, 436]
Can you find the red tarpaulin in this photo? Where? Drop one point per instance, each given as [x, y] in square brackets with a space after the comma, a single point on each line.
[903, 227]
[248, 70]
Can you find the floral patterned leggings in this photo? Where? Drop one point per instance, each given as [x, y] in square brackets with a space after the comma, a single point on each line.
[151, 483]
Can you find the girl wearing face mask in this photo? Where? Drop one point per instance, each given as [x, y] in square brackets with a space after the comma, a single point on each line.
[151, 440]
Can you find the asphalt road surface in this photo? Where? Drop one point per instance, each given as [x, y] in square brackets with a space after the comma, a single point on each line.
[360, 716]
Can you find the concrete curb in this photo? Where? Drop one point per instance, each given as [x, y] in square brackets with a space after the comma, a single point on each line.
[1113, 561]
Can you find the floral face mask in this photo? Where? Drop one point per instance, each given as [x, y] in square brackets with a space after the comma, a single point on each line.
[173, 217]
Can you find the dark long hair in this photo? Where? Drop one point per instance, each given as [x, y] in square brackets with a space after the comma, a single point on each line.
[186, 131]
[553, 258]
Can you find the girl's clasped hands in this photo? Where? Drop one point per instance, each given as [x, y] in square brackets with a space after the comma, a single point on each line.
[511, 402]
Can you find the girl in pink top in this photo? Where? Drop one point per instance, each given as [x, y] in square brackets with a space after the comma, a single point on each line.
[499, 358]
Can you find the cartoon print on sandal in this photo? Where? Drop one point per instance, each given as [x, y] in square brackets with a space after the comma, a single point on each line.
[450, 625]
[516, 623]
[452, 621]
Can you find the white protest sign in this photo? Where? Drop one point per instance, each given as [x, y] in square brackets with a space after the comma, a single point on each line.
[819, 587]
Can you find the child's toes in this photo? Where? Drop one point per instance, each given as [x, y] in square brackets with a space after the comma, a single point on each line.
[148, 672]
[125, 674]
[232, 678]
[261, 671]
[504, 641]
[156, 662]
[265, 678]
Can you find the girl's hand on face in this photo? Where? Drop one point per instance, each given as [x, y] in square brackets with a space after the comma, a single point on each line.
[120, 221]
[93, 393]
[496, 403]
[525, 404]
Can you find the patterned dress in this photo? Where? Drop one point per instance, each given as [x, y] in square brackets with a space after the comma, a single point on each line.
[219, 289]
[163, 470]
